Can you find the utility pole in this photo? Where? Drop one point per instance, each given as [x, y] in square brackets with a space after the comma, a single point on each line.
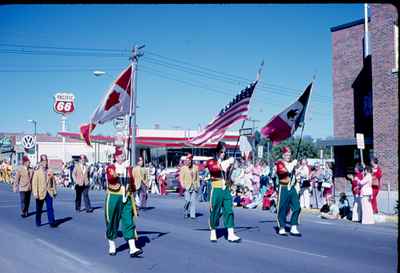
[132, 111]
[254, 137]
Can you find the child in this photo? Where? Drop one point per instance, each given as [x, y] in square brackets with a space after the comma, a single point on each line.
[344, 207]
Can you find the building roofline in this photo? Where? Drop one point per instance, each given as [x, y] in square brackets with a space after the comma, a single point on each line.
[350, 24]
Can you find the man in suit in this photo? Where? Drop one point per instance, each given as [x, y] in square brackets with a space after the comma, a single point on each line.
[44, 190]
[23, 184]
[189, 175]
[141, 182]
[81, 178]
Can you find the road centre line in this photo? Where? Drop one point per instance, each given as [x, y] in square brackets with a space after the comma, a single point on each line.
[285, 248]
[63, 252]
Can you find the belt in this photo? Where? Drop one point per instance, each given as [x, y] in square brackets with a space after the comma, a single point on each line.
[218, 183]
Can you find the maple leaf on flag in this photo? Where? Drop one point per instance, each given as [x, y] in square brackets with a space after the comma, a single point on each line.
[112, 100]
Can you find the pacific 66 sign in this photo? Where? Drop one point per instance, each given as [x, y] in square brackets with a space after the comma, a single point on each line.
[64, 103]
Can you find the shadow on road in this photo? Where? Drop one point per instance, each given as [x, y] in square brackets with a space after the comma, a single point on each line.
[142, 240]
[61, 221]
[223, 232]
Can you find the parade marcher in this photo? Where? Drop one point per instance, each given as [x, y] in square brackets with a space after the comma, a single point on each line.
[189, 175]
[142, 183]
[23, 184]
[221, 197]
[44, 190]
[80, 175]
[376, 184]
[287, 196]
[120, 205]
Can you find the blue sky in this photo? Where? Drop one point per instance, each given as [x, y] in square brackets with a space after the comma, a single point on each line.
[174, 89]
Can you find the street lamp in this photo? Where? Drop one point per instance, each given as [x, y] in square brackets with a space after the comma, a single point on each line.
[35, 133]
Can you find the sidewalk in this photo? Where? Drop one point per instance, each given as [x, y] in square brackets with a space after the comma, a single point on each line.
[384, 218]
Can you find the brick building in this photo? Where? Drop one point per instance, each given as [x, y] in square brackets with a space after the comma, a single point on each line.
[366, 94]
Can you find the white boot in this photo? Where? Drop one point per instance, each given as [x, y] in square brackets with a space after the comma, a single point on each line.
[282, 231]
[294, 231]
[133, 250]
[213, 236]
[232, 236]
[112, 250]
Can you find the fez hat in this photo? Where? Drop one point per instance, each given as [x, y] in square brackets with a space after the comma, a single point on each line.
[285, 150]
[118, 151]
[25, 159]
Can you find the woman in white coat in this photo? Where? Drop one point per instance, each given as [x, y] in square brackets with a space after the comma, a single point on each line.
[366, 193]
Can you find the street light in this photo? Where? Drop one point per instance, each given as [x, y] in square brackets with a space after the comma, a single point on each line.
[35, 133]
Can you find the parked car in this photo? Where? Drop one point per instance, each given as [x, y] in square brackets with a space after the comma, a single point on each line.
[172, 177]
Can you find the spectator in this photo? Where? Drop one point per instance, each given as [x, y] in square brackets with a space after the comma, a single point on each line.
[358, 175]
[316, 176]
[330, 210]
[344, 206]
[247, 197]
[303, 178]
[376, 184]
[327, 183]
[366, 193]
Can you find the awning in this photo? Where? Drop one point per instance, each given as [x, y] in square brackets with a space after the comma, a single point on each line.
[344, 142]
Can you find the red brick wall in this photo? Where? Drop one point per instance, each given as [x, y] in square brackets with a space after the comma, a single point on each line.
[385, 91]
[347, 64]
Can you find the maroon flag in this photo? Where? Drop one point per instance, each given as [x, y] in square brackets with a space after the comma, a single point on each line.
[284, 125]
[236, 110]
[116, 103]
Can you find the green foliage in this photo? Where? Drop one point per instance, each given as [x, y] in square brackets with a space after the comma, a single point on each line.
[309, 148]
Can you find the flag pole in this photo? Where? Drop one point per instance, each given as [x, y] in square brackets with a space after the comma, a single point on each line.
[302, 126]
[132, 109]
[258, 76]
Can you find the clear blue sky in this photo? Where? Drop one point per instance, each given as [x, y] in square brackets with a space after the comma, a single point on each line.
[294, 41]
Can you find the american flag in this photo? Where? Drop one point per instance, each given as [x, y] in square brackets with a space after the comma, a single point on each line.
[234, 111]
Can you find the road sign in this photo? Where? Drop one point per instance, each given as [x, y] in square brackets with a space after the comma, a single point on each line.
[260, 151]
[64, 103]
[360, 141]
[246, 132]
[245, 145]
[119, 123]
[28, 141]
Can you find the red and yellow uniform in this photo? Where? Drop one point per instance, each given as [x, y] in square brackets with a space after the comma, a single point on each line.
[119, 203]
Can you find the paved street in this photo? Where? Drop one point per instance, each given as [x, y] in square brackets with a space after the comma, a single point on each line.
[174, 244]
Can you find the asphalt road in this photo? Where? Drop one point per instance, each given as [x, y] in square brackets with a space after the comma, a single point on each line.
[174, 244]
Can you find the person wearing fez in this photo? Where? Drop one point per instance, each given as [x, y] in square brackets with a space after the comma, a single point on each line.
[288, 197]
[80, 174]
[23, 184]
[119, 204]
[44, 190]
[189, 175]
[221, 198]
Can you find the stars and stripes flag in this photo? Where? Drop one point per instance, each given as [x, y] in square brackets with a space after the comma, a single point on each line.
[283, 125]
[116, 103]
[235, 111]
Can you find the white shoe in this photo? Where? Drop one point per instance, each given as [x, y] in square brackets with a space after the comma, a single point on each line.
[112, 250]
[232, 236]
[282, 232]
[133, 250]
[213, 236]
[294, 231]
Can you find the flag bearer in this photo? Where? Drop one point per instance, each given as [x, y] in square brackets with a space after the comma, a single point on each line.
[221, 197]
[288, 196]
[120, 205]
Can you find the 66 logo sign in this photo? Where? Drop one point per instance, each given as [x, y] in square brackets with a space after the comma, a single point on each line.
[64, 103]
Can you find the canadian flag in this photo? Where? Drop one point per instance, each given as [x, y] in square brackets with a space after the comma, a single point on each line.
[283, 125]
[116, 103]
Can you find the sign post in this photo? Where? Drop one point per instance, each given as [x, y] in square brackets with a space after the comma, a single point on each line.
[360, 145]
[64, 104]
